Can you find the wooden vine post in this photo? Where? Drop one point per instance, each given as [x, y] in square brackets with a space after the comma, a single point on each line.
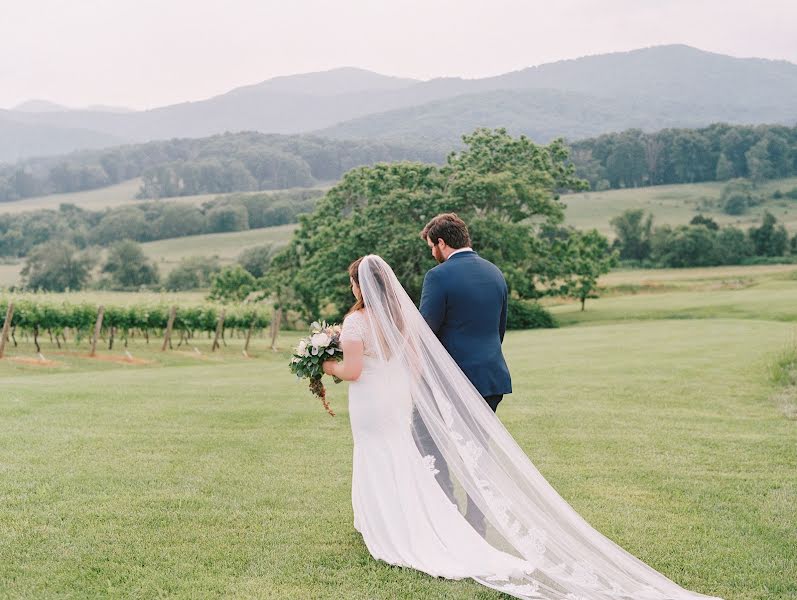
[275, 327]
[167, 337]
[219, 329]
[6, 327]
[97, 328]
[248, 336]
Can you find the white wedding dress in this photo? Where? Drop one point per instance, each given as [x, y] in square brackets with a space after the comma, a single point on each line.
[423, 437]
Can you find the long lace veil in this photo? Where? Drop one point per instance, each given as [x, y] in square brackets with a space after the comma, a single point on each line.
[483, 470]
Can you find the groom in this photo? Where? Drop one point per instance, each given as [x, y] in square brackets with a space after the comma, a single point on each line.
[464, 302]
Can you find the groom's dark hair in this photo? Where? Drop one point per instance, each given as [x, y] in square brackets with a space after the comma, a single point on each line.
[449, 228]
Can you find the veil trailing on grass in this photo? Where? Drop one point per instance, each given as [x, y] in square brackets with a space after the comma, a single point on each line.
[479, 465]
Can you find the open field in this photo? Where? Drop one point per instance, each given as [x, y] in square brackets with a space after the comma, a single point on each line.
[674, 205]
[696, 275]
[120, 298]
[628, 282]
[198, 474]
[108, 197]
[9, 274]
[167, 253]
[225, 246]
[115, 195]
[770, 300]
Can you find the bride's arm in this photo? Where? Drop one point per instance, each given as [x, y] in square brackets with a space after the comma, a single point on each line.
[350, 368]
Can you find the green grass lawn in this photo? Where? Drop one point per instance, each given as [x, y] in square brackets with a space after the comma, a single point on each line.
[200, 474]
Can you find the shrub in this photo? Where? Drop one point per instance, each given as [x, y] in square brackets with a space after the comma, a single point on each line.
[129, 267]
[257, 259]
[737, 196]
[231, 284]
[736, 204]
[526, 314]
[193, 272]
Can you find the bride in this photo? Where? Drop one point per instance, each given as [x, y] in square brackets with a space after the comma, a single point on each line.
[408, 394]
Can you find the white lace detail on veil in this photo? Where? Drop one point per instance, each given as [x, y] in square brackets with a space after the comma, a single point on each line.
[479, 465]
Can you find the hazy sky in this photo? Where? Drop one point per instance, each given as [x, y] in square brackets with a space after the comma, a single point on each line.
[146, 53]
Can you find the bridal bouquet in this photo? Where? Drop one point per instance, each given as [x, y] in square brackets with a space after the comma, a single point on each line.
[321, 345]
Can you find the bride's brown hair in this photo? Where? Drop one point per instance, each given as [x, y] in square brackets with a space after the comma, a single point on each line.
[380, 283]
[378, 280]
[354, 273]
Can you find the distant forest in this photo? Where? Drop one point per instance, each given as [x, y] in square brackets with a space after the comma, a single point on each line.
[255, 161]
[719, 152]
[148, 221]
[218, 164]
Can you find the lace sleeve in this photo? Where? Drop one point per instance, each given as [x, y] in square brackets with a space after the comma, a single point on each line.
[353, 328]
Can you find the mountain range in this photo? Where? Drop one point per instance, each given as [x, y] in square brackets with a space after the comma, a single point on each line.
[649, 88]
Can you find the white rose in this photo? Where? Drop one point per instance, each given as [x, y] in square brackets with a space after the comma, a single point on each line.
[301, 347]
[320, 340]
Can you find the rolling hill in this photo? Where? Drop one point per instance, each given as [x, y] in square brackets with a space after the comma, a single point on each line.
[665, 85]
[541, 114]
[19, 139]
[652, 88]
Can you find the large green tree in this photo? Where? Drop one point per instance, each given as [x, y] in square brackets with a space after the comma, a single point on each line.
[505, 188]
[587, 256]
[232, 284]
[128, 266]
[257, 259]
[770, 238]
[57, 266]
[684, 246]
[633, 230]
[192, 273]
[737, 196]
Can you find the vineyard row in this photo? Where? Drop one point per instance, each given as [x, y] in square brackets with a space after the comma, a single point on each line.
[92, 322]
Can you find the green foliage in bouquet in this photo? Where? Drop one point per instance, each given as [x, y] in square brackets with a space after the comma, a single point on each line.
[308, 358]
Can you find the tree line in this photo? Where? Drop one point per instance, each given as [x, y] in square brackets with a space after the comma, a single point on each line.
[251, 161]
[232, 162]
[701, 243]
[149, 221]
[58, 266]
[720, 152]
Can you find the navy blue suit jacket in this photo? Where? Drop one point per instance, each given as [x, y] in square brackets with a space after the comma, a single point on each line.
[464, 301]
